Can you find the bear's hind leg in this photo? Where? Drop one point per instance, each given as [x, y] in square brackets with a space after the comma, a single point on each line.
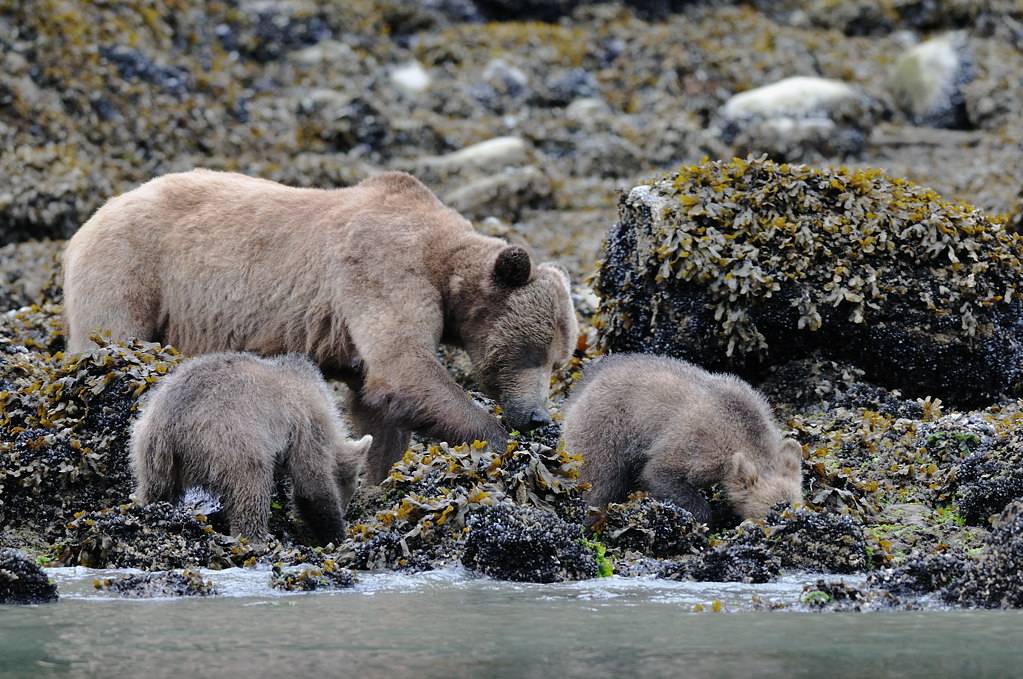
[247, 503]
[666, 481]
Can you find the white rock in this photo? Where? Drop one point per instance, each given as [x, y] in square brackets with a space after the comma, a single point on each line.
[586, 109]
[927, 78]
[491, 154]
[411, 77]
[797, 96]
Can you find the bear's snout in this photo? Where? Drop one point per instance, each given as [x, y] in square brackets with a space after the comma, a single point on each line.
[527, 419]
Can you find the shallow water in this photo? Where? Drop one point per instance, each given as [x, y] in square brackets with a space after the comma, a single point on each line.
[446, 624]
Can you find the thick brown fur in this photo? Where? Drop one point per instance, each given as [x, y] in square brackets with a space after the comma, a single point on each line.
[669, 427]
[366, 280]
[230, 423]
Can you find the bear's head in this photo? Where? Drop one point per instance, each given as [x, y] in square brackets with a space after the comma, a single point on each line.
[350, 457]
[754, 485]
[523, 327]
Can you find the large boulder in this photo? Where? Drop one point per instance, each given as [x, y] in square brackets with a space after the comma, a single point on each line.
[748, 264]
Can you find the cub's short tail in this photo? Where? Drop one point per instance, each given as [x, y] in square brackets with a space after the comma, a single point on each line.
[153, 464]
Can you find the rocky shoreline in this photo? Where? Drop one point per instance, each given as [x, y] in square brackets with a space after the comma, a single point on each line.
[879, 315]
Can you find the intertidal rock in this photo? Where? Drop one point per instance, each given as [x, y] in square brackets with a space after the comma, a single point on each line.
[327, 576]
[158, 585]
[928, 81]
[23, 582]
[993, 581]
[920, 575]
[653, 527]
[64, 420]
[525, 544]
[420, 515]
[747, 264]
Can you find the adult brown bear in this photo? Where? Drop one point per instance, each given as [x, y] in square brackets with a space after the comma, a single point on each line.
[366, 280]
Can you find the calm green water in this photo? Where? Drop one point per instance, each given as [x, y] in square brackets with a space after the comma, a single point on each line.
[448, 625]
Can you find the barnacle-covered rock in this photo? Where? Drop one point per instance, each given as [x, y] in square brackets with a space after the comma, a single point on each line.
[825, 595]
[735, 563]
[806, 540]
[988, 474]
[928, 81]
[23, 582]
[993, 581]
[745, 264]
[325, 577]
[652, 527]
[158, 585]
[526, 544]
[64, 420]
[158, 537]
[920, 575]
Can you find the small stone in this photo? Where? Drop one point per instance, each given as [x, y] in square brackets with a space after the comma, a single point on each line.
[411, 77]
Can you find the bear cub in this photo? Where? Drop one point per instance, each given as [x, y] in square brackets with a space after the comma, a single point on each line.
[230, 423]
[668, 427]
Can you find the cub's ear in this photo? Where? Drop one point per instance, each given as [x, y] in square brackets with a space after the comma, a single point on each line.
[512, 267]
[744, 472]
[361, 447]
[351, 456]
[792, 452]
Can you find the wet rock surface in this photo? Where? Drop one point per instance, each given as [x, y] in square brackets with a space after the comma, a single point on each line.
[22, 581]
[512, 542]
[326, 577]
[655, 527]
[157, 585]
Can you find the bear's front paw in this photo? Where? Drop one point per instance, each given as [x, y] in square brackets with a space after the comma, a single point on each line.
[496, 436]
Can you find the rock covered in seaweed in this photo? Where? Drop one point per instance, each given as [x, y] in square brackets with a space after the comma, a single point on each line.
[155, 537]
[517, 542]
[745, 264]
[420, 515]
[64, 421]
[329, 575]
[23, 582]
[158, 585]
[806, 540]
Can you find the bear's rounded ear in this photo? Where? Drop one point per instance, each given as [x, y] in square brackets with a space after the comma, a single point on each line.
[512, 267]
[744, 471]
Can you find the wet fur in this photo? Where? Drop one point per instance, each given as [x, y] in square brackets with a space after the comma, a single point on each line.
[669, 427]
[230, 423]
[366, 280]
